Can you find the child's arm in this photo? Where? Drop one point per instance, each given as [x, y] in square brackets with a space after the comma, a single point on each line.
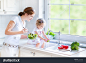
[40, 36]
[45, 35]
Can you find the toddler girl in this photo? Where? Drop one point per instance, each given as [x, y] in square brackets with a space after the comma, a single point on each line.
[39, 41]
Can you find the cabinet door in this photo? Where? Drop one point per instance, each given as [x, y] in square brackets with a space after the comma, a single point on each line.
[41, 54]
[25, 53]
[11, 5]
[1, 5]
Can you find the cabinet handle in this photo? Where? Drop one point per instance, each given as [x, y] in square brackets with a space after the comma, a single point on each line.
[34, 54]
[3, 10]
[31, 52]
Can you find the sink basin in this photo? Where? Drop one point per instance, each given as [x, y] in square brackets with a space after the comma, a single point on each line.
[55, 47]
[47, 44]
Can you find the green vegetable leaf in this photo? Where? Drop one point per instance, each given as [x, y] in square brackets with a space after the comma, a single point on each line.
[75, 46]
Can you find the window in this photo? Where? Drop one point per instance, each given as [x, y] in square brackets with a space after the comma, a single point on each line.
[67, 16]
[0, 4]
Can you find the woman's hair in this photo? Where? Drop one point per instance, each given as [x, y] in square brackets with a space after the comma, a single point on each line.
[28, 10]
[40, 21]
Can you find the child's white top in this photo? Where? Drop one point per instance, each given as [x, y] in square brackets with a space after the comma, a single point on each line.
[38, 30]
[37, 40]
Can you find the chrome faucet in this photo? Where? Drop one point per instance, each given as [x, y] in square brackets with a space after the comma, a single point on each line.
[59, 37]
[49, 32]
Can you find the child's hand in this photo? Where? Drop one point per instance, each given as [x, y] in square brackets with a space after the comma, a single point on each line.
[48, 40]
[45, 40]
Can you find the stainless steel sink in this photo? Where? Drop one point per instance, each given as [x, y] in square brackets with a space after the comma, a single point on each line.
[48, 45]
[55, 47]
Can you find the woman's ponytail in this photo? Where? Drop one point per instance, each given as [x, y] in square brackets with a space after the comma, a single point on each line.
[21, 13]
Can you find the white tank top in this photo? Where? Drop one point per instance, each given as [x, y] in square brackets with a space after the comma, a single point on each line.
[38, 30]
[14, 39]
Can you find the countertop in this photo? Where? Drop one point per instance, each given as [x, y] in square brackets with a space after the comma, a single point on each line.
[23, 43]
[52, 52]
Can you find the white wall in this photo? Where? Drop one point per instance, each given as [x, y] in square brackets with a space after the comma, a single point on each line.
[4, 19]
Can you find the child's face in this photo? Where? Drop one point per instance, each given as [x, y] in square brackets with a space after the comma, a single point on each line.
[41, 26]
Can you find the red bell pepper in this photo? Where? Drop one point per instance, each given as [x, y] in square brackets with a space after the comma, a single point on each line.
[64, 46]
[60, 47]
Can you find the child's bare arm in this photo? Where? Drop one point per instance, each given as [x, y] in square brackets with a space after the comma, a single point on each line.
[44, 34]
[39, 35]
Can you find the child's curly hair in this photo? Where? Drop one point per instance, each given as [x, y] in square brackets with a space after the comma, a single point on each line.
[40, 21]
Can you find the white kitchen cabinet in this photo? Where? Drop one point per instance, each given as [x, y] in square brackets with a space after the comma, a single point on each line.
[41, 54]
[1, 5]
[32, 53]
[25, 53]
[9, 7]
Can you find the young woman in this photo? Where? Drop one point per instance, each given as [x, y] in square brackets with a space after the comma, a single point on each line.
[14, 31]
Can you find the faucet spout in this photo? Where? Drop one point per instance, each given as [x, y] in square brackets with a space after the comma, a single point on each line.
[59, 37]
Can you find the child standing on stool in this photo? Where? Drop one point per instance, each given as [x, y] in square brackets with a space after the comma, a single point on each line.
[39, 41]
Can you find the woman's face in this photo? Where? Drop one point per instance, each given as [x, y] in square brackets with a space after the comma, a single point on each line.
[29, 17]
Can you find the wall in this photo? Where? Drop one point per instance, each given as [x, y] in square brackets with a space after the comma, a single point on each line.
[4, 19]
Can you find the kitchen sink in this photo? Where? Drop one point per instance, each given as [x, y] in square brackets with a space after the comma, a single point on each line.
[55, 47]
[64, 51]
[47, 45]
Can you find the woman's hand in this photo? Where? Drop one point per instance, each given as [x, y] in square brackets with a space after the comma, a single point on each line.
[24, 31]
[23, 36]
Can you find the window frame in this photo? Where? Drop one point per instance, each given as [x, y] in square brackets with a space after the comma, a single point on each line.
[46, 5]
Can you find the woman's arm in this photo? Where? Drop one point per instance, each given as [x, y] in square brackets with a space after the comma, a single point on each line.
[9, 28]
[23, 36]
